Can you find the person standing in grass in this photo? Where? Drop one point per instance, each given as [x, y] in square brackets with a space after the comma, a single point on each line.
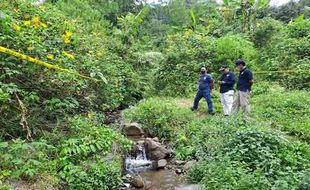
[227, 82]
[205, 86]
[244, 84]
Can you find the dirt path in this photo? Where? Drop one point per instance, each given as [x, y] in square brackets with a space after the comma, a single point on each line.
[202, 112]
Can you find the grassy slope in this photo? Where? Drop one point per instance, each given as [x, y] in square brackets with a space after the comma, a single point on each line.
[273, 107]
[269, 151]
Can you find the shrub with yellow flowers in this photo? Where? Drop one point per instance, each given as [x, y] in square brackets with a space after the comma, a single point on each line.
[67, 37]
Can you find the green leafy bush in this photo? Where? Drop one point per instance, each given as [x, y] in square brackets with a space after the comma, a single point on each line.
[202, 138]
[256, 150]
[25, 160]
[288, 53]
[5, 187]
[285, 110]
[224, 174]
[94, 174]
[253, 159]
[87, 138]
[265, 31]
[160, 117]
[229, 48]
[265, 87]
[299, 29]
[185, 54]
[87, 158]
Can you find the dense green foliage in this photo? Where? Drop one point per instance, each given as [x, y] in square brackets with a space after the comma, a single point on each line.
[83, 156]
[291, 10]
[54, 131]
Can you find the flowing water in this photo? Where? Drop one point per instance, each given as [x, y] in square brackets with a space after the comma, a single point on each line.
[154, 179]
[138, 162]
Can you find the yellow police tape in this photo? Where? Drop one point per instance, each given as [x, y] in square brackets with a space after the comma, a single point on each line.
[283, 71]
[55, 67]
[42, 63]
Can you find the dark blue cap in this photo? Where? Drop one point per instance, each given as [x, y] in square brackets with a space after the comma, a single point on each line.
[240, 62]
[223, 67]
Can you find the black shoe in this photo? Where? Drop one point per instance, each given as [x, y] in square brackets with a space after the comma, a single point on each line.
[211, 113]
[193, 109]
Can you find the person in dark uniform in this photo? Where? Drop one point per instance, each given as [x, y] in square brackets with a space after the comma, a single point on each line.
[227, 82]
[244, 84]
[205, 86]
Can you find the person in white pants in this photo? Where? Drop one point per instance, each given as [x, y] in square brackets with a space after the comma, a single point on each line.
[227, 82]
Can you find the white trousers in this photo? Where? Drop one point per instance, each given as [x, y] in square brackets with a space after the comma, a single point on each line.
[227, 100]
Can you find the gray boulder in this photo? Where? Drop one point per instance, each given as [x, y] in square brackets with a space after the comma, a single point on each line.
[155, 150]
[137, 181]
[180, 162]
[161, 164]
[133, 129]
[156, 139]
[178, 171]
[189, 165]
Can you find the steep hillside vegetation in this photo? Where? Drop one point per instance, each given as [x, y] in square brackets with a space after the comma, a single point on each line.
[55, 127]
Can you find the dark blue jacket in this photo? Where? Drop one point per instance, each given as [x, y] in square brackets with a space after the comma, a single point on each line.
[245, 76]
[205, 82]
[229, 81]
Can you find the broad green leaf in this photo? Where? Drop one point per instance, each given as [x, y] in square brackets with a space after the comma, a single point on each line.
[193, 17]
[299, 18]
[93, 148]
[226, 2]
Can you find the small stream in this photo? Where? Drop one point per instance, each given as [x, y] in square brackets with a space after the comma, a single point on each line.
[163, 179]
[166, 180]
[139, 162]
